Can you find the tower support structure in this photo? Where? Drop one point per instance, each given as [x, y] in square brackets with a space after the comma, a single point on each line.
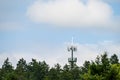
[72, 60]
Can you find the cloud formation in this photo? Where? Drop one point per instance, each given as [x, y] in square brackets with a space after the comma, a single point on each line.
[91, 13]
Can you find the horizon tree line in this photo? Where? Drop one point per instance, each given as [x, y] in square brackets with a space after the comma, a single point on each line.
[102, 68]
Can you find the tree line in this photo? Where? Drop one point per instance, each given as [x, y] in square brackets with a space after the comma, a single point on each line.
[102, 68]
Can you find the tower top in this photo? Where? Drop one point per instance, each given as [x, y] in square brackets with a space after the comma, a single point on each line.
[72, 46]
[72, 40]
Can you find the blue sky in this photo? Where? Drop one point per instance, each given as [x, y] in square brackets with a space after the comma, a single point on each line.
[42, 29]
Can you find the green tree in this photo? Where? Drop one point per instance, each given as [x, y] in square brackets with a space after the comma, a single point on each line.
[0, 74]
[55, 73]
[85, 67]
[75, 73]
[105, 64]
[37, 70]
[114, 73]
[7, 68]
[66, 74]
[114, 59]
[11, 76]
[21, 69]
[99, 69]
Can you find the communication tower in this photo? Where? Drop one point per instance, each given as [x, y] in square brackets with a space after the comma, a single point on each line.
[72, 60]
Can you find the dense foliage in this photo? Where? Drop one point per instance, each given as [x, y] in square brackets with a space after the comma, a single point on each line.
[103, 68]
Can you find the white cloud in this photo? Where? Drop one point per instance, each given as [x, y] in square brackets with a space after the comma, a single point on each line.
[53, 55]
[91, 13]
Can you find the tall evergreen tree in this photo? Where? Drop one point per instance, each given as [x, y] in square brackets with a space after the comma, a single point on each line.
[55, 73]
[114, 59]
[7, 69]
[21, 69]
[85, 67]
[37, 70]
[66, 74]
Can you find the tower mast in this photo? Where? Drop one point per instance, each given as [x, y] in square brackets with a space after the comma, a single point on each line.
[72, 49]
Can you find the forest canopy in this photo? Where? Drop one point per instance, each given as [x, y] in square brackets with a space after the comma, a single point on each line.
[102, 68]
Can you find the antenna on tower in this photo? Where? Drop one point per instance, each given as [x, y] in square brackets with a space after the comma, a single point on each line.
[72, 40]
[72, 48]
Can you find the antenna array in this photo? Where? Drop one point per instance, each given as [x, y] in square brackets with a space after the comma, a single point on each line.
[72, 48]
